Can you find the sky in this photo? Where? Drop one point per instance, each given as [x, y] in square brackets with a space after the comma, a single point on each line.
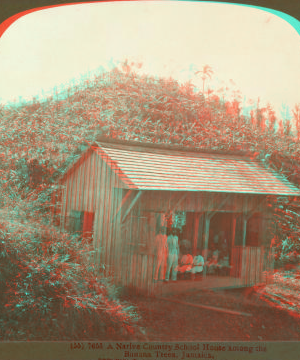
[248, 49]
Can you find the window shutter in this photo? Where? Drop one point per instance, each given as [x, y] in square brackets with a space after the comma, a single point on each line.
[88, 226]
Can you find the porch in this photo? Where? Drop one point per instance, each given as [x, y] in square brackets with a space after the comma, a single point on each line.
[166, 289]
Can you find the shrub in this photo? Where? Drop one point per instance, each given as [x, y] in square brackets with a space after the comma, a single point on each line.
[45, 296]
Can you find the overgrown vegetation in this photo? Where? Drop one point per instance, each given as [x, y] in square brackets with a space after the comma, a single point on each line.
[49, 291]
[41, 268]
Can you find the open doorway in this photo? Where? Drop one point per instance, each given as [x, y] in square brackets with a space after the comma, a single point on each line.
[221, 231]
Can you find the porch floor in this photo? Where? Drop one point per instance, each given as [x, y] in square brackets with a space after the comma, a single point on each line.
[209, 282]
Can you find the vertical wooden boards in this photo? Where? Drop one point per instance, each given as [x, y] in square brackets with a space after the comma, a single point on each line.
[65, 203]
[233, 228]
[244, 230]
[109, 203]
[196, 232]
[119, 236]
[69, 199]
[144, 272]
[86, 183]
[233, 262]
[258, 278]
[150, 265]
[261, 265]
[132, 268]
[106, 217]
[101, 207]
[206, 231]
[250, 262]
[238, 267]
[95, 181]
[257, 265]
[205, 238]
[126, 255]
[112, 227]
[99, 195]
[244, 265]
[83, 184]
[232, 240]
[152, 232]
[77, 191]
[139, 271]
[130, 259]
[73, 191]
[271, 271]
[200, 232]
[90, 176]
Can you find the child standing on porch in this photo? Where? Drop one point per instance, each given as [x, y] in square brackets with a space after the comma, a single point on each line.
[161, 248]
[173, 252]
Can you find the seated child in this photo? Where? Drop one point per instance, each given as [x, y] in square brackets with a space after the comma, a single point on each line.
[212, 263]
[198, 264]
[185, 265]
[224, 266]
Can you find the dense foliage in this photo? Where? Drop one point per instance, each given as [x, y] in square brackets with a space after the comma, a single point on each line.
[49, 291]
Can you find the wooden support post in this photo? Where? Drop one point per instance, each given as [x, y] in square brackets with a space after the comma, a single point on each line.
[135, 199]
[124, 199]
[233, 228]
[205, 240]
[244, 221]
[244, 230]
[196, 229]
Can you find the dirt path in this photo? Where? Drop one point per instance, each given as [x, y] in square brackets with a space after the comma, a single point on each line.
[169, 321]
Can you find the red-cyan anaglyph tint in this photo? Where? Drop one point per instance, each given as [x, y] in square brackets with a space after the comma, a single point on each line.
[146, 198]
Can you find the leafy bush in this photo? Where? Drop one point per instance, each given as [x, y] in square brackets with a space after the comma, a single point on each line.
[45, 296]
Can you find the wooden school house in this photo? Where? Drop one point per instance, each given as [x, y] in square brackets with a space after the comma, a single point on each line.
[118, 194]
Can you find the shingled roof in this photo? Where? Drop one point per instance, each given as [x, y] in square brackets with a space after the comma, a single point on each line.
[166, 168]
[162, 167]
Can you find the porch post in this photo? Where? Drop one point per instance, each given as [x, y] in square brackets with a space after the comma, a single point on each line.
[196, 229]
[135, 199]
[206, 236]
[244, 221]
[233, 231]
[232, 252]
[244, 229]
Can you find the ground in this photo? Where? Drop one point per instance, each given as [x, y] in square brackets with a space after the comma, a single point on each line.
[168, 321]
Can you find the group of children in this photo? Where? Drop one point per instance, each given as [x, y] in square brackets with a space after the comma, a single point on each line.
[180, 264]
[190, 266]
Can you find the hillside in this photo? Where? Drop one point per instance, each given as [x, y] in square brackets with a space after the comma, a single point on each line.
[132, 107]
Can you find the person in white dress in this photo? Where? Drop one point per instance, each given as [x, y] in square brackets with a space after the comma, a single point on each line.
[172, 260]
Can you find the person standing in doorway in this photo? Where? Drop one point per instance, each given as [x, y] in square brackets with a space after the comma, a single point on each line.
[161, 250]
[173, 252]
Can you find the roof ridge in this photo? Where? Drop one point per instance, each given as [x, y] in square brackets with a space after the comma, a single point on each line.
[175, 147]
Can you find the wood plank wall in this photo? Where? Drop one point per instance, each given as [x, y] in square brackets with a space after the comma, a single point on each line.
[94, 187]
[196, 201]
[251, 265]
